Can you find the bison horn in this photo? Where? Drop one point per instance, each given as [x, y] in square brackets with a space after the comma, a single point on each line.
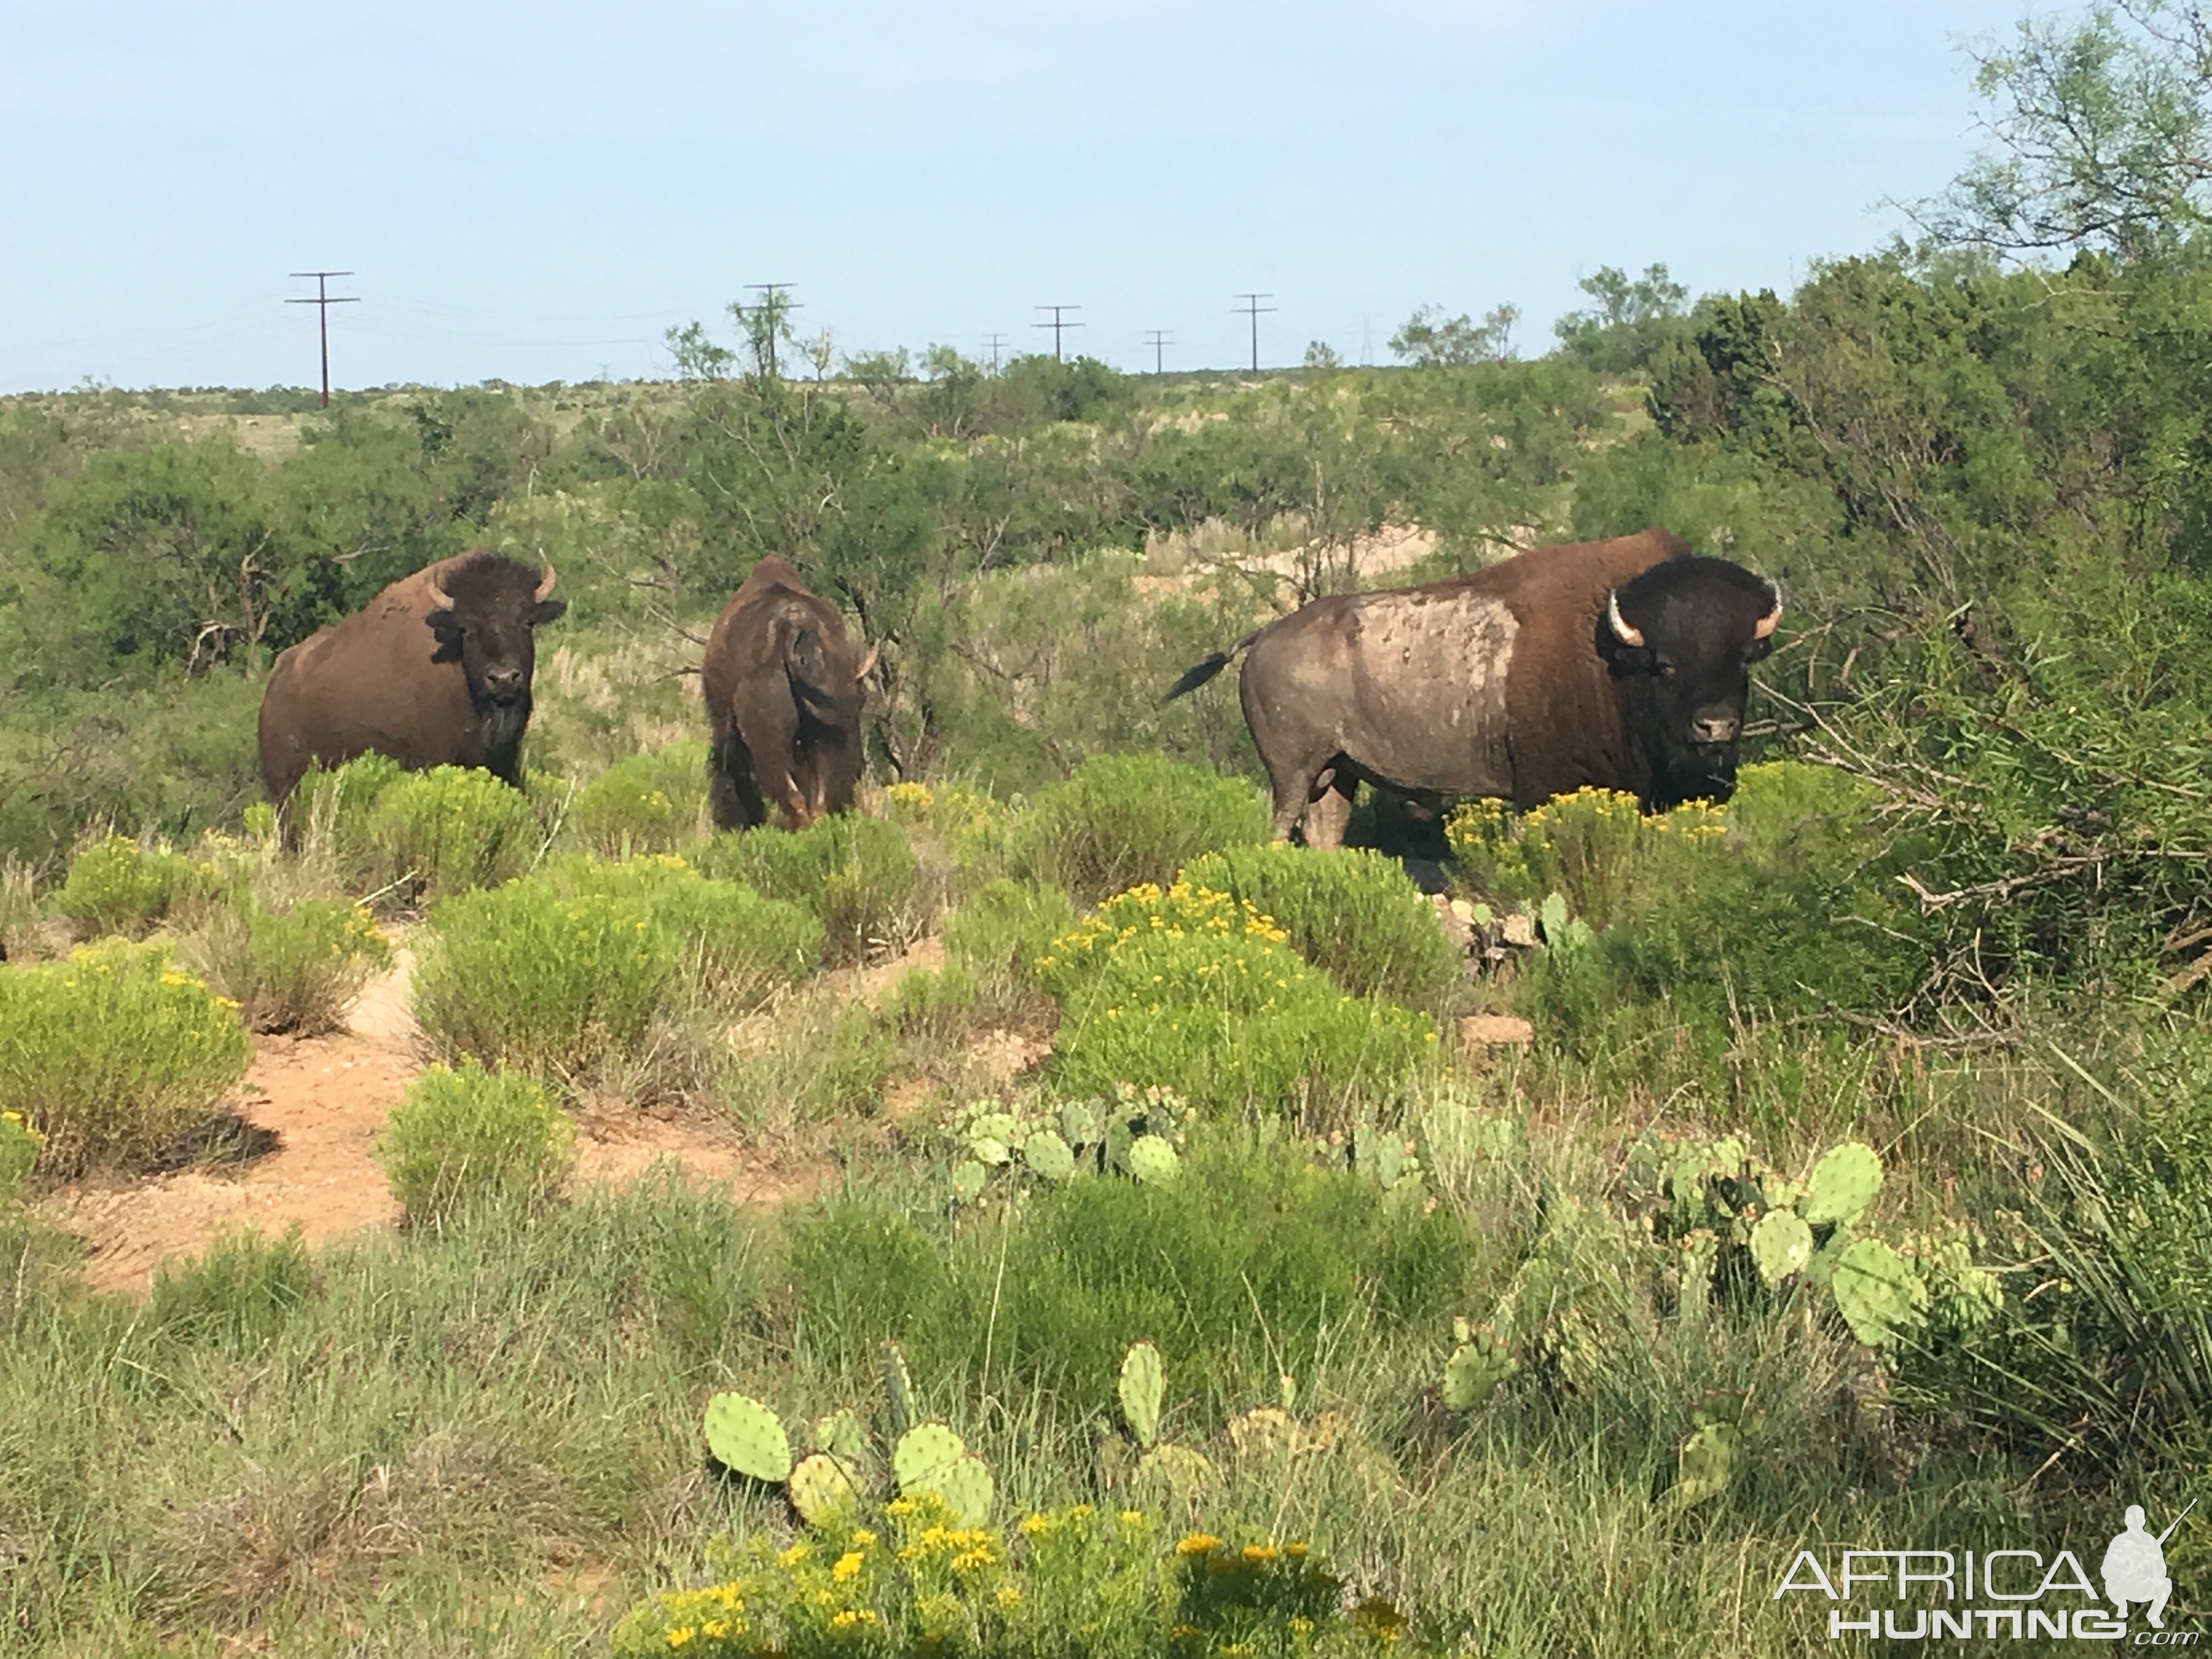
[1621, 630]
[439, 599]
[868, 661]
[546, 585]
[1771, 620]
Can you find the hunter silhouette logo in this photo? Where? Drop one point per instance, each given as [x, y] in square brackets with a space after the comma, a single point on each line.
[2134, 1567]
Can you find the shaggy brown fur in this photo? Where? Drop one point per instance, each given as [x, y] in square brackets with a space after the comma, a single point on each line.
[783, 703]
[429, 684]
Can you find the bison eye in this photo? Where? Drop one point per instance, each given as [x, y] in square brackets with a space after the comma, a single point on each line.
[1667, 670]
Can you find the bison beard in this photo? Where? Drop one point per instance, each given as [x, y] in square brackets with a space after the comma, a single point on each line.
[1622, 664]
[783, 697]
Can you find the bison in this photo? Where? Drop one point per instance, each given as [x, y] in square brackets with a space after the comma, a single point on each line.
[1622, 664]
[434, 670]
[783, 703]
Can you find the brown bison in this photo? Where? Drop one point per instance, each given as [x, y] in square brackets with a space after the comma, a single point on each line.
[1622, 664]
[783, 703]
[434, 670]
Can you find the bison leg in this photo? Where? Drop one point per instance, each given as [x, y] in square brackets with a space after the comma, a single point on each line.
[1330, 810]
[733, 792]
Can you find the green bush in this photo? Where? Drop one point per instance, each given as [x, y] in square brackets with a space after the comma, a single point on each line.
[450, 829]
[646, 803]
[1123, 819]
[116, 886]
[998, 932]
[20, 1145]
[856, 872]
[520, 977]
[734, 946]
[1190, 991]
[1594, 848]
[933, 1005]
[238, 1293]
[334, 811]
[292, 971]
[1352, 913]
[110, 1054]
[458, 1138]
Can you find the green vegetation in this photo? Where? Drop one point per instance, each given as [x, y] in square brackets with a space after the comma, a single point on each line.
[1126, 819]
[294, 970]
[468, 1137]
[857, 874]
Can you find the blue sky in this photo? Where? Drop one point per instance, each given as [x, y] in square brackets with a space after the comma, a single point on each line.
[538, 192]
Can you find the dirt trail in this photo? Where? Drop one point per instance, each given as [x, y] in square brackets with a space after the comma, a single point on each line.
[320, 1104]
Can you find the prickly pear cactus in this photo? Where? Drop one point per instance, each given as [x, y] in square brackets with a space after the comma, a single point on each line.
[968, 1178]
[1141, 1388]
[1049, 1155]
[965, 1484]
[1151, 1158]
[1843, 1184]
[839, 1434]
[1703, 1465]
[1475, 1368]
[1267, 1432]
[821, 1488]
[898, 1390]
[746, 1437]
[992, 1125]
[1881, 1298]
[922, 1453]
[1177, 1470]
[989, 1150]
[1781, 1244]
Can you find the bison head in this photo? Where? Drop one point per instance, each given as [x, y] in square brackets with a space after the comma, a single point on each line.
[825, 684]
[1679, 641]
[485, 612]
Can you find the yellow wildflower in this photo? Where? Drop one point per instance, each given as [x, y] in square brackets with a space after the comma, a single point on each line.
[862, 1538]
[848, 1567]
[681, 1635]
[1008, 1597]
[1197, 1543]
[794, 1555]
[1033, 1524]
[1133, 1518]
[1261, 1552]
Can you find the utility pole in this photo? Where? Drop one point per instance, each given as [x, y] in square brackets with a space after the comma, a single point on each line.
[1157, 338]
[1253, 309]
[323, 301]
[775, 304]
[1056, 325]
[995, 343]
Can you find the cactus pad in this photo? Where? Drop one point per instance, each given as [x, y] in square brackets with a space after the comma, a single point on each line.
[965, 1484]
[820, 1487]
[989, 1149]
[746, 1438]
[1475, 1368]
[1082, 1124]
[898, 1390]
[1267, 1431]
[968, 1178]
[1141, 1388]
[1843, 1184]
[1178, 1469]
[1152, 1160]
[922, 1453]
[1703, 1465]
[1880, 1297]
[1781, 1244]
[1001, 1126]
[839, 1434]
[1049, 1155]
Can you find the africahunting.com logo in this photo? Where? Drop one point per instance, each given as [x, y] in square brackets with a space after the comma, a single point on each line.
[1924, 1596]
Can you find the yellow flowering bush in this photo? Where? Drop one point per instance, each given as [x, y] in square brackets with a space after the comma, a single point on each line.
[116, 886]
[20, 1145]
[1191, 990]
[1123, 819]
[1595, 847]
[289, 970]
[450, 829]
[1075, 1582]
[111, 1053]
[459, 1136]
[645, 804]
[857, 874]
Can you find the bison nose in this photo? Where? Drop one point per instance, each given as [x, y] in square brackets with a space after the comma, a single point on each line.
[1716, 728]
[503, 682]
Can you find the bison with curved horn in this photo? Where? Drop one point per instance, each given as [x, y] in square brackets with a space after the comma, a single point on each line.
[783, 703]
[1622, 664]
[434, 670]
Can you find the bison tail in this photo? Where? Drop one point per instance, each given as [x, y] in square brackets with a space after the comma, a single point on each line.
[1206, 670]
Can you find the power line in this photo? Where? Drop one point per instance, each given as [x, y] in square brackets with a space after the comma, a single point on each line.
[323, 301]
[1056, 325]
[995, 343]
[1157, 339]
[1253, 309]
[775, 305]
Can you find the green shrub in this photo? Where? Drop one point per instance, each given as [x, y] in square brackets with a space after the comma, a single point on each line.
[1085, 1582]
[998, 932]
[1124, 819]
[335, 811]
[19, 908]
[857, 874]
[972, 824]
[20, 1145]
[458, 1138]
[933, 1005]
[1190, 991]
[520, 977]
[292, 971]
[116, 886]
[1594, 848]
[734, 946]
[449, 828]
[111, 1053]
[1352, 913]
[238, 1293]
[646, 803]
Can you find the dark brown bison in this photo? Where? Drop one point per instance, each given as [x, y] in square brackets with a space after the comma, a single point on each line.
[783, 703]
[434, 670]
[1622, 664]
